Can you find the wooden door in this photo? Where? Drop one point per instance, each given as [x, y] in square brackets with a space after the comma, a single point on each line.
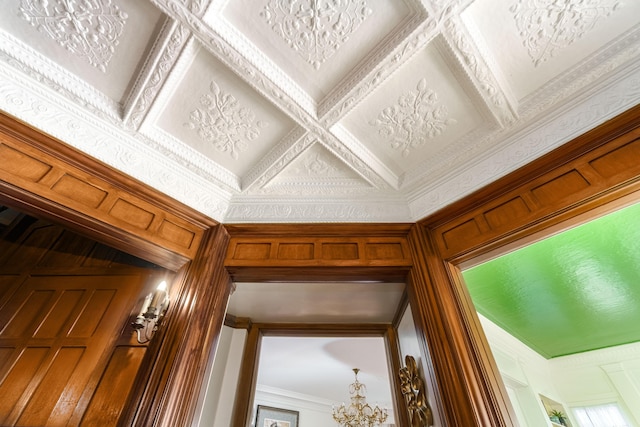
[64, 302]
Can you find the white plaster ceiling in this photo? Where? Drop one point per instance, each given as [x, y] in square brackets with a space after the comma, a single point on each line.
[313, 110]
[316, 302]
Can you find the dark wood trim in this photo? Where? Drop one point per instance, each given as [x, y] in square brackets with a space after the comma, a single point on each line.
[237, 322]
[433, 312]
[322, 329]
[318, 274]
[191, 336]
[247, 378]
[392, 346]
[343, 230]
[39, 196]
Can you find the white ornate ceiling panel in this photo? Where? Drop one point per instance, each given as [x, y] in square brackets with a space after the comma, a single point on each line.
[316, 110]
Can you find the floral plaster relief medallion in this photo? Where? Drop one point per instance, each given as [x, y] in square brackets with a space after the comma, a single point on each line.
[315, 28]
[415, 118]
[225, 124]
[89, 29]
[547, 26]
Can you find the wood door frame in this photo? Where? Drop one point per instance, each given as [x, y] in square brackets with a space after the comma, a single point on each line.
[39, 176]
[591, 175]
[245, 394]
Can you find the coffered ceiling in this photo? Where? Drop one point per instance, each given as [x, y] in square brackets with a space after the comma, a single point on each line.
[318, 110]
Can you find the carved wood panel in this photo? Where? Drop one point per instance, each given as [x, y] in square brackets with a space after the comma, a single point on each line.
[285, 252]
[318, 251]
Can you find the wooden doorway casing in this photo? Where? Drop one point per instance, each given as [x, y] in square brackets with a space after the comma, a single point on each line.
[598, 168]
[44, 177]
[593, 174]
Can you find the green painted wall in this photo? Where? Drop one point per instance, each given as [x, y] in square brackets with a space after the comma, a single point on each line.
[573, 292]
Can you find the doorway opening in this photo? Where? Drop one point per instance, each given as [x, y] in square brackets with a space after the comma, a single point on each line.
[308, 337]
[559, 313]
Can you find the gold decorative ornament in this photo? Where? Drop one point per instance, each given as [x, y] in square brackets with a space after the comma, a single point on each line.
[415, 396]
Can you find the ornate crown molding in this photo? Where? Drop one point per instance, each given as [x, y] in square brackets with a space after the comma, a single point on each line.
[164, 54]
[528, 143]
[319, 187]
[42, 107]
[47, 72]
[328, 210]
[619, 53]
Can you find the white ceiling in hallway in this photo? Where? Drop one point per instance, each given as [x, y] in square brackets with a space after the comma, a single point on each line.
[318, 110]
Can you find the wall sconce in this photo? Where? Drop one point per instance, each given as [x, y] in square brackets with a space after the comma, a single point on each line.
[153, 309]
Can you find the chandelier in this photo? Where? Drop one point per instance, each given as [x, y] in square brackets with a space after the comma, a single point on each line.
[359, 413]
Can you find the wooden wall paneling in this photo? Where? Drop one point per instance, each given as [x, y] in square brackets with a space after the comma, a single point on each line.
[172, 372]
[595, 170]
[44, 177]
[322, 251]
[73, 321]
[115, 386]
[61, 308]
[602, 161]
[318, 251]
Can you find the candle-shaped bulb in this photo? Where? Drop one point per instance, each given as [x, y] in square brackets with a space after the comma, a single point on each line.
[146, 304]
[159, 295]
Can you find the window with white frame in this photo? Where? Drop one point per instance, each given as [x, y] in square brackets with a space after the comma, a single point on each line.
[608, 415]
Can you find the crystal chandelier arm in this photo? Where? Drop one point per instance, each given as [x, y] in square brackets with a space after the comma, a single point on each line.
[359, 413]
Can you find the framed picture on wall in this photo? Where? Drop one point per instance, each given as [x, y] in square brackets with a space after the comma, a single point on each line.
[276, 417]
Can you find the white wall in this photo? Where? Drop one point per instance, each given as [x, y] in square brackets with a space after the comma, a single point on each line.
[314, 412]
[601, 376]
[218, 392]
[596, 377]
